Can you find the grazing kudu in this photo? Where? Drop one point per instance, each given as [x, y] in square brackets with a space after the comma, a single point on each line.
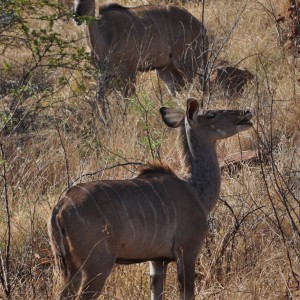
[230, 79]
[156, 217]
[124, 40]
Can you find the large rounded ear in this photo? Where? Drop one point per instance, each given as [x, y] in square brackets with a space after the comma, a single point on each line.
[192, 109]
[172, 117]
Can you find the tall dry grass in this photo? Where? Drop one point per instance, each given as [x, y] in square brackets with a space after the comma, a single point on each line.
[52, 135]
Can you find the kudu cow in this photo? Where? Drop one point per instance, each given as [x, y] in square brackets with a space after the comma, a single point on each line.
[124, 40]
[156, 217]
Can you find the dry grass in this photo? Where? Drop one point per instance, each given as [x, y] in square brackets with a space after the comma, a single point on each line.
[252, 251]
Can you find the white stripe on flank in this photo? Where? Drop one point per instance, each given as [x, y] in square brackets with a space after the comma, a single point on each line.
[96, 204]
[107, 223]
[174, 207]
[145, 230]
[152, 207]
[124, 206]
[170, 230]
[77, 212]
[165, 208]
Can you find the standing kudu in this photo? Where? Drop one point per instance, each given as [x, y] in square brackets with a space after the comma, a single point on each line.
[155, 217]
[124, 40]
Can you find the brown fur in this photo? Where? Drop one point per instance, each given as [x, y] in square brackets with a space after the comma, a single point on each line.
[155, 168]
[123, 41]
[231, 80]
[156, 217]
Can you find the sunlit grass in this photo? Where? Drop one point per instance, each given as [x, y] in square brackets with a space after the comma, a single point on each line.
[245, 255]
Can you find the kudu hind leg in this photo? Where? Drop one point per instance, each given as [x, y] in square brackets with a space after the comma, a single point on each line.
[95, 272]
[158, 271]
[72, 284]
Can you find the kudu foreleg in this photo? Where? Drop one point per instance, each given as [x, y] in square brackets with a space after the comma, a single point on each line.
[172, 78]
[102, 85]
[158, 271]
[186, 275]
[128, 91]
[103, 80]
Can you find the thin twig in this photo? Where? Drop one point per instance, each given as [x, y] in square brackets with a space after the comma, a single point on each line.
[65, 155]
[100, 171]
[5, 264]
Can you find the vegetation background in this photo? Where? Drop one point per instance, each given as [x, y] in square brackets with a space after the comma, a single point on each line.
[52, 135]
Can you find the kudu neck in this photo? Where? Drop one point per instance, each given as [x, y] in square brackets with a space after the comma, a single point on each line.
[201, 166]
[91, 28]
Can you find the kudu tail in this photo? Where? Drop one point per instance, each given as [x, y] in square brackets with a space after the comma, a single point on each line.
[57, 244]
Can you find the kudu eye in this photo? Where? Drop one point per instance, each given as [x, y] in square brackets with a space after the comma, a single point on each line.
[211, 115]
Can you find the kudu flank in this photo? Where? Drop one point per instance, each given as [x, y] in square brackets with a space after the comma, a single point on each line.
[124, 41]
[156, 217]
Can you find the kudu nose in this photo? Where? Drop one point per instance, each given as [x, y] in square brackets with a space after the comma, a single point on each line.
[248, 114]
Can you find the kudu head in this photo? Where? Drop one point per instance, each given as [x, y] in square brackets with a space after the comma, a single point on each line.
[210, 125]
[83, 8]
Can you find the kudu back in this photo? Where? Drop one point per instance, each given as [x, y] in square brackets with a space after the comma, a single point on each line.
[124, 40]
[156, 217]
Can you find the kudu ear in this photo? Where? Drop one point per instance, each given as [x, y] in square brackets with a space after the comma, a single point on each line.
[192, 109]
[172, 117]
